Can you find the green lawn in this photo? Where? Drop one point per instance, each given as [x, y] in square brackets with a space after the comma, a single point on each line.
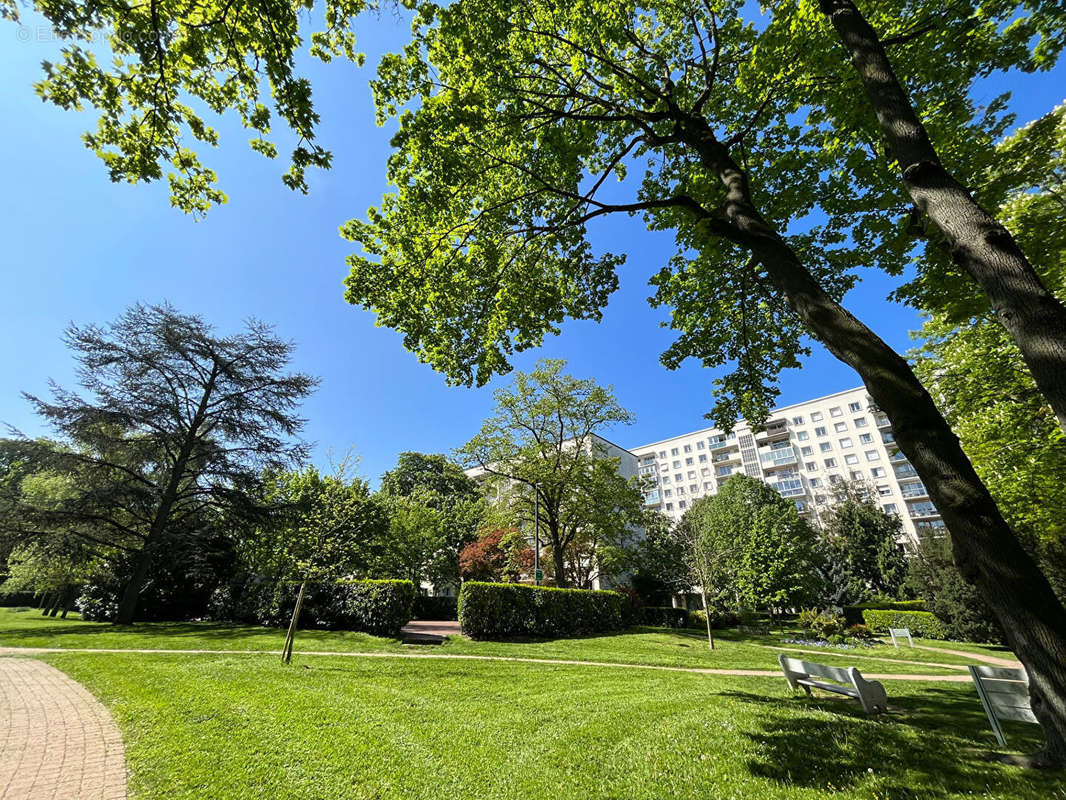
[247, 726]
[656, 646]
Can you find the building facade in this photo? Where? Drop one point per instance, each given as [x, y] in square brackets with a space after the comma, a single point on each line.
[801, 451]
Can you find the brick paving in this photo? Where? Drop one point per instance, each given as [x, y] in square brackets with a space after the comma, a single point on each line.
[57, 742]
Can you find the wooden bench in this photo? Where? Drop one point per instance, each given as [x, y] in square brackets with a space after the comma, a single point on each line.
[1004, 693]
[901, 633]
[870, 694]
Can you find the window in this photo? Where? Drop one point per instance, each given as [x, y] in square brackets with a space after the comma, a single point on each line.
[873, 455]
[834, 480]
[866, 438]
[700, 445]
[688, 448]
[693, 489]
[677, 478]
[705, 471]
[681, 504]
[673, 451]
[878, 472]
[840, 427]
[689, 462]
[884, 490]
[860, 422]
[797, 420]
[668, 493]
[724, 470]
[666, 478]
[662, 454]
[707, 486]
[803, 436]
[819, 431]
[845, 443]
[854, 407]
[811, 466]
[669, 506]
[815, 483]
[703, 458]
[680, 490]
[691, 474]
[816, 416]
[830, 463]
[836, 412]
[890, 508]
[818, 498]
[825, 447]
[851, 458]
[807, 450]
[677, 465]
[856, 474]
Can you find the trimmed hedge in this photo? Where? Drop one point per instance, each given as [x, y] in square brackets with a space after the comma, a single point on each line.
[436, 607]
[853, 614]
[380, 608]
[666, 617]
[920, 623]
[508, 610]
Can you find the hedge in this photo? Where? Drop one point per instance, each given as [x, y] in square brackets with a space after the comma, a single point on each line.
[380, 608]
[920, 623]
[508, 610]
[436, 607]
[853, 614]
[666, 617]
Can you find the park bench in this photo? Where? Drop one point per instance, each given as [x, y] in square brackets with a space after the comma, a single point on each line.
[1004, 692]
[900, 633]
[870, 694]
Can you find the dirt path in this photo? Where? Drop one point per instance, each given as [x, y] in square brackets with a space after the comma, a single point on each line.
[757, 673]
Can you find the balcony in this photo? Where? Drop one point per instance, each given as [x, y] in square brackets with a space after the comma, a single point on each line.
[888, 437]
[914, 490]
[897, 457]
[906, 471]
[789, 488]
[881, 421]
[778, 457]
[922, 511]
[775, 430]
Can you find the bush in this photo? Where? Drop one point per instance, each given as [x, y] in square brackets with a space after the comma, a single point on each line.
[634, 610]
[859, 632]
[98, 601]
[508, 610]
[436, 607]
[920, 623]
[665, 617]
[853, 614]
[821, 623]
[380, 608]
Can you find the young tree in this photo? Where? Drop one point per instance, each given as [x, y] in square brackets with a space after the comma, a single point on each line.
[523, 112]
[499, 554]
[863, 549]
[547, 463]
[176, 421]
[712, 552]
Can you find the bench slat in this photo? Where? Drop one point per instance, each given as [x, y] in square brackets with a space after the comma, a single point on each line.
[830, 687]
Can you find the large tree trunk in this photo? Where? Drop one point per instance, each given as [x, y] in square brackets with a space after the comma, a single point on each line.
[986, 549]
[558, 557]
[127, 606]
[977, 242]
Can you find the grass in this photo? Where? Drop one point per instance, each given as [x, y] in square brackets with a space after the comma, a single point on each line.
[230, 727]
[652, 646]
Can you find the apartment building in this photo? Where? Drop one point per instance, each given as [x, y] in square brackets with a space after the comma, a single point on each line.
[801, 451]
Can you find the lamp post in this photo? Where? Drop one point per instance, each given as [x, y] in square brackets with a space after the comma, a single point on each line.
[536, 534]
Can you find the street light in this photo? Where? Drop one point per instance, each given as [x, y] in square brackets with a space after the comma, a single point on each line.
[536, 534]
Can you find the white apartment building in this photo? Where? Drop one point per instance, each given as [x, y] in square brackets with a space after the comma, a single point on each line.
[801, 451]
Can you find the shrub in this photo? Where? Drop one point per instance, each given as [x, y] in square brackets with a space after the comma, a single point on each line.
[380, 608]
[821, 623]
[436, 607]
[859, 632]
[508, 610]
[665, 617]
[854, 614]
[98, 602]
[920, 623]
[634, 610]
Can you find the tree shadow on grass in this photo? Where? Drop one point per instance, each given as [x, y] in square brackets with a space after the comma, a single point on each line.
[930, 745]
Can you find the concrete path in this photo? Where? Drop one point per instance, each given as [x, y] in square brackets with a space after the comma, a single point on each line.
[57, 742]
[424, 631]
[757, 673]
[853, 654]
[999, 662]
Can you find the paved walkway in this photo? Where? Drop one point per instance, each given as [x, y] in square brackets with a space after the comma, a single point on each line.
[999, 662]
[424, 631]
[756, 673]
[57, 742]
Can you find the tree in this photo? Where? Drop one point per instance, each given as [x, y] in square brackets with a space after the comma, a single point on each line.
[712, 553]
[542, 453]
[177, 422]
[864, 554]
[499, 554]
[977, 374]
[976, 242]
[658, 562]
[523, 112]
[452, 507]
[223, 56]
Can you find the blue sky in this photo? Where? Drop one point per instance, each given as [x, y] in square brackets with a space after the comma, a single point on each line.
[79, 248]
